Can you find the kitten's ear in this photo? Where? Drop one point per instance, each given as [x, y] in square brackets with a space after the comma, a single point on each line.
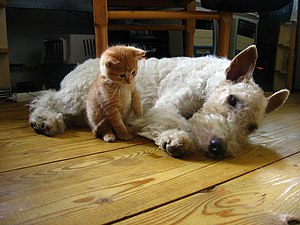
[111, 62]
[139, 53]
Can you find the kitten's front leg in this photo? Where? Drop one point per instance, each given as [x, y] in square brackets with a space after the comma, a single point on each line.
[105, 131]
[136, 103]
[118, 125]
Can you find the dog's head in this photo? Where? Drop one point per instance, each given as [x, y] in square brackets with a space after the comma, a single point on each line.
[235, 109]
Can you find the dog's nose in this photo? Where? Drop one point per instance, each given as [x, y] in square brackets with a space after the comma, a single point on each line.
[217, 147]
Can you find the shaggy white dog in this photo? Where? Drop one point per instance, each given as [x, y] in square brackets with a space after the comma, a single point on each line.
[207, 103]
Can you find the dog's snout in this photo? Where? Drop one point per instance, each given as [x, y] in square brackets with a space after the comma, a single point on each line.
[217, 147]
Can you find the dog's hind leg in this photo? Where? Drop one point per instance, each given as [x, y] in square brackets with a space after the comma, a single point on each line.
[169, 130]
[44, 117]
[53, 111]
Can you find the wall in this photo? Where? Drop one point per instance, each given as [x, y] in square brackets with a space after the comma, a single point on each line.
[27, 28]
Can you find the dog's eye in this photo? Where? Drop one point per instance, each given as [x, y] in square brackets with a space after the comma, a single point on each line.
[232, 100]
[252, 127]
[133, 73]
[122, 76]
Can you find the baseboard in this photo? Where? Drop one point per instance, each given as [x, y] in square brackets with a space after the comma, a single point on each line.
[25, 96]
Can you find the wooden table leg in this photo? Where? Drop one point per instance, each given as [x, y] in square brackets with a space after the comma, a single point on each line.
[224, 33]
[101, 25]
[189, 31]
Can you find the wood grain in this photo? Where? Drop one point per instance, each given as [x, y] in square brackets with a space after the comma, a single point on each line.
[267, 196]
[124, 182]
[22, 147]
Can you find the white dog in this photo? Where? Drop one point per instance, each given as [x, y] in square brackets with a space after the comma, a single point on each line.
[207, 103]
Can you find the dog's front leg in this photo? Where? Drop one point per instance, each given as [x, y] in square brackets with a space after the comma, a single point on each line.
[176, 142]
[169, 130]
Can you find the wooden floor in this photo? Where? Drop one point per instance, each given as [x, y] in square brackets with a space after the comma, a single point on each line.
[76, 179]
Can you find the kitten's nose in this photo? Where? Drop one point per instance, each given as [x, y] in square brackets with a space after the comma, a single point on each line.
[128, 80]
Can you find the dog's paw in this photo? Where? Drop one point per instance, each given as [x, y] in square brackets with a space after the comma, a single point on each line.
[175, 143]
[173, 147]
[48, 125]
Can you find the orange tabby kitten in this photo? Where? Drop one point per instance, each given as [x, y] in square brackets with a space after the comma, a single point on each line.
[113, 94]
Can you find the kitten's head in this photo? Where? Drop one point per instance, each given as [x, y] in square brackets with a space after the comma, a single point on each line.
[119, 63]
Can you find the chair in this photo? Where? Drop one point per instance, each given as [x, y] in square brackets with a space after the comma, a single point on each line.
[169, 9]
[165, 9]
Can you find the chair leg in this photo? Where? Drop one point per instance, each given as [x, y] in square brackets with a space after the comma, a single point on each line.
[189, 31]
[224, 33]
[101, 25]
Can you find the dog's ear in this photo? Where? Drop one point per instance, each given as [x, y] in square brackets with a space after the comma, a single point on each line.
[276, 100]
[242, 65]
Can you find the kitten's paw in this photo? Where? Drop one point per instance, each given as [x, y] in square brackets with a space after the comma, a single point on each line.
[124, 136]
[109, 137]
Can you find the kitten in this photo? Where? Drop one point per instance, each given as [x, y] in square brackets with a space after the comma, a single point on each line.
[113, 94]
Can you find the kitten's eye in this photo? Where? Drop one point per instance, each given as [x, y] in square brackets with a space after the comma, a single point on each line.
[232, 100]
[252, 127]
[122, 76]
[133, 73]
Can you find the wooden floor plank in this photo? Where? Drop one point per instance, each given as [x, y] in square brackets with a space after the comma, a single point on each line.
[114, 185]
[36, 150]
[22, 147]
[13, 109]
[270, 195]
